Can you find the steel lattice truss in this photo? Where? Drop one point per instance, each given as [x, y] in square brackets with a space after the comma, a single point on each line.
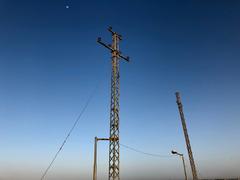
[114, 147]
[114, 115]
[189, 149]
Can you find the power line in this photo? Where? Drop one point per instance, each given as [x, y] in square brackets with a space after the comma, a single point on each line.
[70, 132]
[146, 153]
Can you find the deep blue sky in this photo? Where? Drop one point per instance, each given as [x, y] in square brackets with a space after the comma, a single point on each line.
[50, 63]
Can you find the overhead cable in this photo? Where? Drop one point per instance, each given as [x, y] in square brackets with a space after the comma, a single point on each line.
[69, 133]
[146, 153]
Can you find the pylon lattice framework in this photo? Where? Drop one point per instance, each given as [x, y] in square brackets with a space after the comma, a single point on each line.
[114, 153]
[189, 149]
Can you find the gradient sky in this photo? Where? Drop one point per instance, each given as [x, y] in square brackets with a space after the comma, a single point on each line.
[50, 63]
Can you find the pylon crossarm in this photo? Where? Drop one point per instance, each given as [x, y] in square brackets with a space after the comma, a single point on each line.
[99, 40]
[125, 58]
[118, 53]
[114, 33]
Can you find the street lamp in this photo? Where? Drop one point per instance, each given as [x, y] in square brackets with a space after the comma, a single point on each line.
[184, 166]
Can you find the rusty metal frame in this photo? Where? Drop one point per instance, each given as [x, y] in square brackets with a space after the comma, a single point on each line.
[114, 147]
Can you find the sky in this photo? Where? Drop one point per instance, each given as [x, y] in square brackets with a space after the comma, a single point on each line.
[50, 63]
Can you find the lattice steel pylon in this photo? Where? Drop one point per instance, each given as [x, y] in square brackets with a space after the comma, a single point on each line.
[114, 146]
[189, 149]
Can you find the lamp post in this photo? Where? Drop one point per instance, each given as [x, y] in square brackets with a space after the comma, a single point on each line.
[184, 166]
[95, 156]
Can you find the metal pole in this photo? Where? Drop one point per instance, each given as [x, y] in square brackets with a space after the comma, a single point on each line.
[184, 167]
[190, 154]
[95, 160]
[95, 156]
